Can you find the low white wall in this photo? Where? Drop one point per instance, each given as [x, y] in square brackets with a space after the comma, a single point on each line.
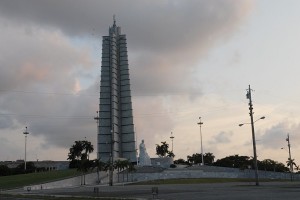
[89, 179]
[210, 172]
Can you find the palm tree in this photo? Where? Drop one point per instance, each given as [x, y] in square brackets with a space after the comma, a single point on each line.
[75, 151]
[99, 165]
[118, 166]
[209, 158]
[130, 169]
[88, 148]
[80, 150]
[79, 156]
[125, 165]
[291, 163]
[171, 154]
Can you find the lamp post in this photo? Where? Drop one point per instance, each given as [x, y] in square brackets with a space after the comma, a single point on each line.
[172, 138]
[248, 95]
[136, 148]
[97, 118]
[200, 123]
[25, 133]
[111, 170]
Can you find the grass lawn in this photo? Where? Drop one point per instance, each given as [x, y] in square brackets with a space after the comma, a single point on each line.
[15, 181]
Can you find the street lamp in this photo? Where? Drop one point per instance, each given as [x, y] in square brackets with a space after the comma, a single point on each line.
[111, 170]
[172, 138]
[97, 118]
[263, 117]
[25, 133]
[254, 146]
[200, 123]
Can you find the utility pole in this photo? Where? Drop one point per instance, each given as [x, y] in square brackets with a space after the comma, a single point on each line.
[25, 133]
[248, 95]
[200, 123]
[290, 157]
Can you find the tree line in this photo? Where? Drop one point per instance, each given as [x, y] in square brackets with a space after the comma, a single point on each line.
[20, 169]
[237, 161]
[232, 161]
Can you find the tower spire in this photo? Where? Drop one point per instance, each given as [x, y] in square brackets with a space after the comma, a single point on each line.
[114, 17]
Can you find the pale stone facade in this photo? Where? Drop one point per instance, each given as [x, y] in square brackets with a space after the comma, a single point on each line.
[116, 128]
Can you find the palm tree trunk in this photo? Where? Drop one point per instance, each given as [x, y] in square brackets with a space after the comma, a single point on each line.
[98, 176]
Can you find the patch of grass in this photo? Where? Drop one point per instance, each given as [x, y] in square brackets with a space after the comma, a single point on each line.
[203, 180]
[15, 181]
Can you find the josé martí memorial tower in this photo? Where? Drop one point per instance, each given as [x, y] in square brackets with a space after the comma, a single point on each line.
[116, 137]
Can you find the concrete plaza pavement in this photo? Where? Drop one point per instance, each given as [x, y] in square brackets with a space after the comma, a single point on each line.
[213, 191]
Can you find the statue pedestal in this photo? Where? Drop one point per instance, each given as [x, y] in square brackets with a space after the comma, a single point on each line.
[162, 162]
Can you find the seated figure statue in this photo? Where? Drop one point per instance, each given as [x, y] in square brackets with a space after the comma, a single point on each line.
[144, 159]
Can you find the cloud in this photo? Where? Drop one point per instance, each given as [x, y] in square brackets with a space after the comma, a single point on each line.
[44, 65]
[275, 137]
[37, 68]
[222, 137]
[165, 45]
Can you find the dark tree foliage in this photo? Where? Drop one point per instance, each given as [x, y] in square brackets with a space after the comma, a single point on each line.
[29, 168]
[20, 169]
[235, 161]
[197, 158]
[209, 158]
[79, 155]
[5, 171]
[291, 164]
[180, 161]
[171, 154]
[245, 162]
[271, 165]
[163, 150]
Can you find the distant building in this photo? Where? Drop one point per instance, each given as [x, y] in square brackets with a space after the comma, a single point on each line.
[115, 126]
[46, 165]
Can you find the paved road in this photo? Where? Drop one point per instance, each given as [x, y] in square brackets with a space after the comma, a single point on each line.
[214, 191]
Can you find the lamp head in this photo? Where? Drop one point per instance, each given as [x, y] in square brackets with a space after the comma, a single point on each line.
[26, 132]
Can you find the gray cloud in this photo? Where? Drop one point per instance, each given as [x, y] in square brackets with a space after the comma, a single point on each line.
[165, 37]
[275, 137]
[39, 53]
[222, 137]
[6, 122]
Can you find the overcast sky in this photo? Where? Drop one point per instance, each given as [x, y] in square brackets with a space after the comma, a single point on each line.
[188, 59]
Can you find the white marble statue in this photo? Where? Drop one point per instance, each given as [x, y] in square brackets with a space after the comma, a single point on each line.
[144, 159]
